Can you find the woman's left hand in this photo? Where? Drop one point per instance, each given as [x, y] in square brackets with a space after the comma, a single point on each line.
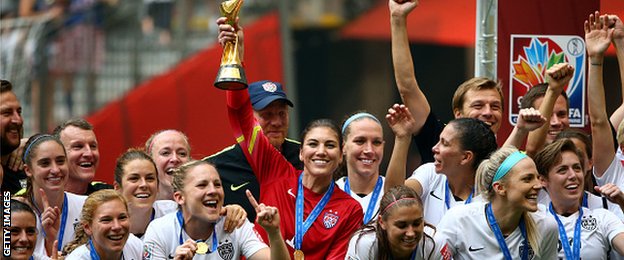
[401, 120]
[267, 216]
[235, 217]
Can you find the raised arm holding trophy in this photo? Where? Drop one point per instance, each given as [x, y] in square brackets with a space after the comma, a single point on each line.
[231, 74]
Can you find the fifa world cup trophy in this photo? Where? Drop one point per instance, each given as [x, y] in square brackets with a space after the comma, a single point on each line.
[231, 74]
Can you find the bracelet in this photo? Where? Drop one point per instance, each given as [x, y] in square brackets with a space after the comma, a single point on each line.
[595, 64]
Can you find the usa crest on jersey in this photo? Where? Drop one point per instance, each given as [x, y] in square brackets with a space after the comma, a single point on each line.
[589, 223]
[226, 250]
[330, 219]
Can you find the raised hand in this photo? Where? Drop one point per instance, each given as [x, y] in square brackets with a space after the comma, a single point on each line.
[618, 27]
[235, 216]
[598, 35]
[401, 121]
[401, 8]
[186, 250]
[267, 216]
[558, 76]
[50, 218]
[530, 119]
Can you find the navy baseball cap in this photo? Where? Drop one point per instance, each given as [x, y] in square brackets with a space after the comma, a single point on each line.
[262, 93]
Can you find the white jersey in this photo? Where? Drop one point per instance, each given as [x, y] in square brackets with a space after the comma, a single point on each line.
[164, 207]
[598, 228]
[619, 154]
[133, 250]
[613, 174]
[74, 208]
[593, 202]
[366, 200]
[364, 246]
[467, 235]
[162, 237]
[434, 192]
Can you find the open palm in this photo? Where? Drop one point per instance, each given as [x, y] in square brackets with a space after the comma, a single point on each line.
[597, 34]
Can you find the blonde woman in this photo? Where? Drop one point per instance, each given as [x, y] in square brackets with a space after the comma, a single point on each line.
[508, 225]
[196, 230]
[104, 230]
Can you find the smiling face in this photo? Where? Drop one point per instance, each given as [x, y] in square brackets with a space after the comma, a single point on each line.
[11, 122]
[404, 228]
[565, 180]
[320, 152]
[448, 153]
[202, 195]
[48, 167]
[169, 150]
[559, 120]
[139, 183]
[363, 147]
[521, 185]
[23, 234]
[109, 228]
[485, 105]
[274, 121]
[82, 153]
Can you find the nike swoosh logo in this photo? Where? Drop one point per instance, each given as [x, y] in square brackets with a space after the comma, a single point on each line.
[235, 188]
[291, 194]
[432, 194]
[475, 249]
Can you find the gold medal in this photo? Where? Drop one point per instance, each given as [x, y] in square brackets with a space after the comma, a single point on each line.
[202, 248]
[298, 255]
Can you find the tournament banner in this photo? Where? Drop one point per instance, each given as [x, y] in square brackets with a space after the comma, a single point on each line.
[532, 55]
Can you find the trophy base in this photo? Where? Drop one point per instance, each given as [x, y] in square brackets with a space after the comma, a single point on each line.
[231, 77]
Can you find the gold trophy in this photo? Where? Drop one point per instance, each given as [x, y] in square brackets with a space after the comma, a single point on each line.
[231, 75]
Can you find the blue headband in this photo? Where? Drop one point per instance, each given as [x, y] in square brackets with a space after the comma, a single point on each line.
[36, 140]
[356, 117]
[507, 164]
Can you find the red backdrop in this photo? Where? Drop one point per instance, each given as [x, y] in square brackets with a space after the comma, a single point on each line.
[185, 99]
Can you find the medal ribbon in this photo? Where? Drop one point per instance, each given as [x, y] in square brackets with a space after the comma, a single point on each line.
[499, 234]
[94, 254]
[302, 227]
[373, 201]
[563, 236]
[447, 196]
[63, 222]
[214, 232]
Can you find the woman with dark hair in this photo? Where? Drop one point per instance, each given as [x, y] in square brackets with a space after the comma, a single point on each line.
[510, 224]
[24, 233]
[136, 179]
[399, 231]
[104, 230]
[45, 164]
[449, 181]
[598, 230]
[317, 217]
